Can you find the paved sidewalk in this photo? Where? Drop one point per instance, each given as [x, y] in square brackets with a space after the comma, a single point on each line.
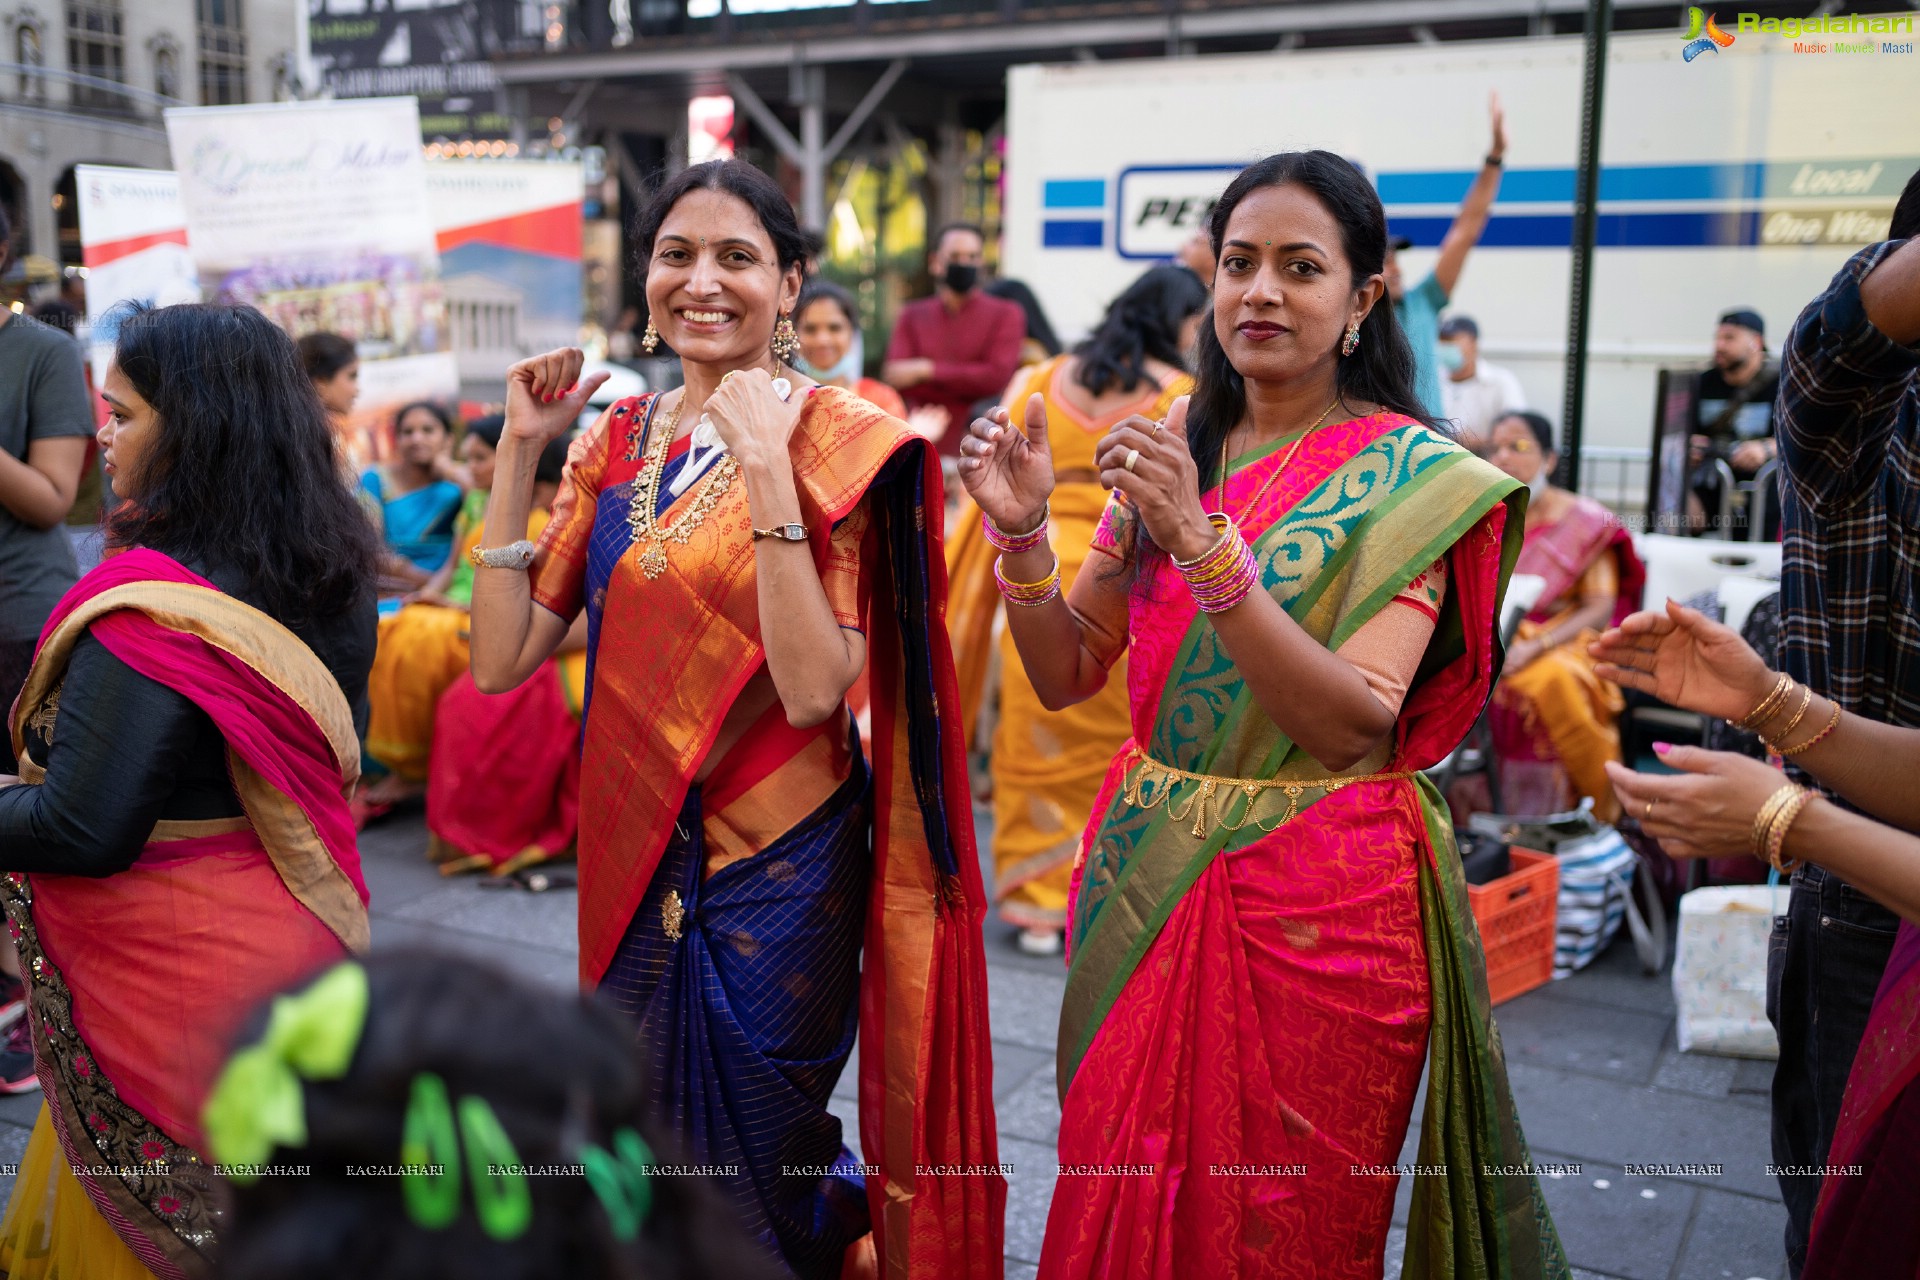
[1595, 1073]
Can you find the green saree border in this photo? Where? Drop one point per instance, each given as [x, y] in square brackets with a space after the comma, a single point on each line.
[1127, 916]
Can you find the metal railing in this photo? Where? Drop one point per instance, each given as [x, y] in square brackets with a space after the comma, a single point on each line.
[1617, 478]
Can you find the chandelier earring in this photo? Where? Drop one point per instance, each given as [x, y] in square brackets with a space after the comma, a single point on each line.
[1352, 340]
[785, 340]
[650, 340]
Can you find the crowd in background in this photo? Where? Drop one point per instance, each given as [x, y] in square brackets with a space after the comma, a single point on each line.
[1830, 427]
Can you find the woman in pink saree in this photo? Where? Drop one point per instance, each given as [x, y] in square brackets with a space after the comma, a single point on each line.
[178, 844]
[1269, 933]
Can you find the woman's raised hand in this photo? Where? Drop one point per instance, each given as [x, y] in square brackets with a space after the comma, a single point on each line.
[1707, 809]
[1163, 483]
[1008, 471]
[546, 395]
[1682, 657]
[752, 419]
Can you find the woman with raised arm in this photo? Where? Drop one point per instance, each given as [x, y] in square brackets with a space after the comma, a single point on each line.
[179, 844]
[1048, 765]
[1723, 804]
[741, 547]
[1269, 932]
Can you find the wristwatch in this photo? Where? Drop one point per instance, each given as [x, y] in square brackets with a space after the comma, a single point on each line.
[515, 555]
[784, 532]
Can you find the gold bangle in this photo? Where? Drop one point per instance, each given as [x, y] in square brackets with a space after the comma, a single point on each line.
[1766, 705]
[1806, 700]
[1777, 831]
[1833, 722]
[1763, 820]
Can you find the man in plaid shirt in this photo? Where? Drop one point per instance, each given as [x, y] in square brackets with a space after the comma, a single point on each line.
[1848, 420]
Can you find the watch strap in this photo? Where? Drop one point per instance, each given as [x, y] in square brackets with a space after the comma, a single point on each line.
[792, 531]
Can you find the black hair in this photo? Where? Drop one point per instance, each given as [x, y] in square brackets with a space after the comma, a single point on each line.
[740, 180]
[947, 229]
[57, 313]
[1536, 423]
[438, 410]
[488, 427]
[1143, 322]
[1381, 369]
[243, 471]
[1039, 329]
[552, 463]
[818, 290]
[557, 1070]
[324, 355]
[1906, 211]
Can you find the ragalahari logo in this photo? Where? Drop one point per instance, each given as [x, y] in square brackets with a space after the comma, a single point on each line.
[1703, 35]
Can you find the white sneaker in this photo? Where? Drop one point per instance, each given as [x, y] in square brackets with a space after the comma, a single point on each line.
[1041, 942]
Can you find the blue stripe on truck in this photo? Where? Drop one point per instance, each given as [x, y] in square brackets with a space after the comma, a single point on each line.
[1074, 193]
[1614, 230]
[1072, 233]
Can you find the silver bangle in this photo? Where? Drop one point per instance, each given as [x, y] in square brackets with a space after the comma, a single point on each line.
[515, 555]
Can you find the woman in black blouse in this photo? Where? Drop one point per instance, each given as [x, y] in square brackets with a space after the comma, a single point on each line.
[178, 842]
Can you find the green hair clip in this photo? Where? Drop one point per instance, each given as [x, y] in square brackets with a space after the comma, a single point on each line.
[257, 1103]
[622, 1179]
[430, 1147]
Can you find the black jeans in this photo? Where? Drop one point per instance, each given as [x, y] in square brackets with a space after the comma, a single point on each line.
[1824, 963]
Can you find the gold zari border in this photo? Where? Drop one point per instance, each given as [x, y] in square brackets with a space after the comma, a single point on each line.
[1144, 773]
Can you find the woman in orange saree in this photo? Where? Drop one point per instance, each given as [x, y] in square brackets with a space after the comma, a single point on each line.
[752, 889]
[179, 843]
[1048, 765]
[1269, 931]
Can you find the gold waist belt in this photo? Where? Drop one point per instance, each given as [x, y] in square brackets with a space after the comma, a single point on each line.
[1151, 785]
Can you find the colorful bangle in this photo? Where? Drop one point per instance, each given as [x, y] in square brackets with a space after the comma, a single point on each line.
[1833, 722]
[1767, 705]
[1029, 594]
[1226, 573]
[1777, 833]
[1014, 543]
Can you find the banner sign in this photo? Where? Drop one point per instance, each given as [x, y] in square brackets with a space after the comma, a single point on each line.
[437, 51]
[133, 243]
[317, 214]
[509, 234]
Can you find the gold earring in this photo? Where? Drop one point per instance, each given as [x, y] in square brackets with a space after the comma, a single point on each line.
[1352, 340]
[785, 340]
[651, 338]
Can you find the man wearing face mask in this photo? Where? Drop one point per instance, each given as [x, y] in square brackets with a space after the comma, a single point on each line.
[960, 346]
[1476, 394]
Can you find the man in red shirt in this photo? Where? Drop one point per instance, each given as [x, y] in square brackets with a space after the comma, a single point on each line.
[960, 346]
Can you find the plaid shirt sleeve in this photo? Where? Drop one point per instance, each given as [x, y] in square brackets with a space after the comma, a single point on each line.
[1840, 380]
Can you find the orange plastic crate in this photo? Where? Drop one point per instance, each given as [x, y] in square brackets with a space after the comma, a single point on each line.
[1516, 915]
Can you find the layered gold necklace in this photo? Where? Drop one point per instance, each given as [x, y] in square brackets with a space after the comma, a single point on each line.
[650, 534]
[1278, 471]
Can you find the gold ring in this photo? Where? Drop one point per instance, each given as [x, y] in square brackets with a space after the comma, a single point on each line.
[1648, 815]
[1158, 427]
[1133, 456]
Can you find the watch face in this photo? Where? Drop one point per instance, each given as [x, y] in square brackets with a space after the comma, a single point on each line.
[795, 533]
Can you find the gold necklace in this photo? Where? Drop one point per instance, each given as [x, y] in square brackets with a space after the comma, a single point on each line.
[1278, 471]
[650, 535]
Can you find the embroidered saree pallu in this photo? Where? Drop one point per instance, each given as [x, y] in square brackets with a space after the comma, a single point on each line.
[749, 921]
[138, 980]
[1263, 954]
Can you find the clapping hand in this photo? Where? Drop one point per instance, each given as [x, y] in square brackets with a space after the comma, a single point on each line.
[546, 395]
[1009, 471]
[1682, 657]
[752, 419]
[1707, 810]
[1162, 483]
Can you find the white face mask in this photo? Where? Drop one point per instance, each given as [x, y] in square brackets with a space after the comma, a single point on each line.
[1538, 485]
[849, 368]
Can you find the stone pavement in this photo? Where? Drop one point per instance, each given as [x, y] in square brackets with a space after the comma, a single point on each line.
[1595, 1073]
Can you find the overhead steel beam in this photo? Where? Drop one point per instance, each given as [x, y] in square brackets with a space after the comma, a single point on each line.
[683, 60]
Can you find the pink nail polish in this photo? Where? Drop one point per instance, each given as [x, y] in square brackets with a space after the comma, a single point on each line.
[1661, 748]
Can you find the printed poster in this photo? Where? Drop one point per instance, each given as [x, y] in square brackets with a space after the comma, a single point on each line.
[133, 242]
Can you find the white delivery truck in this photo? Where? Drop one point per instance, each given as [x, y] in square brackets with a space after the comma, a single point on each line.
[1744, 177]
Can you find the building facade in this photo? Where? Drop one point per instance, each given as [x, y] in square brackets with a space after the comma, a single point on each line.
[86, 82]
